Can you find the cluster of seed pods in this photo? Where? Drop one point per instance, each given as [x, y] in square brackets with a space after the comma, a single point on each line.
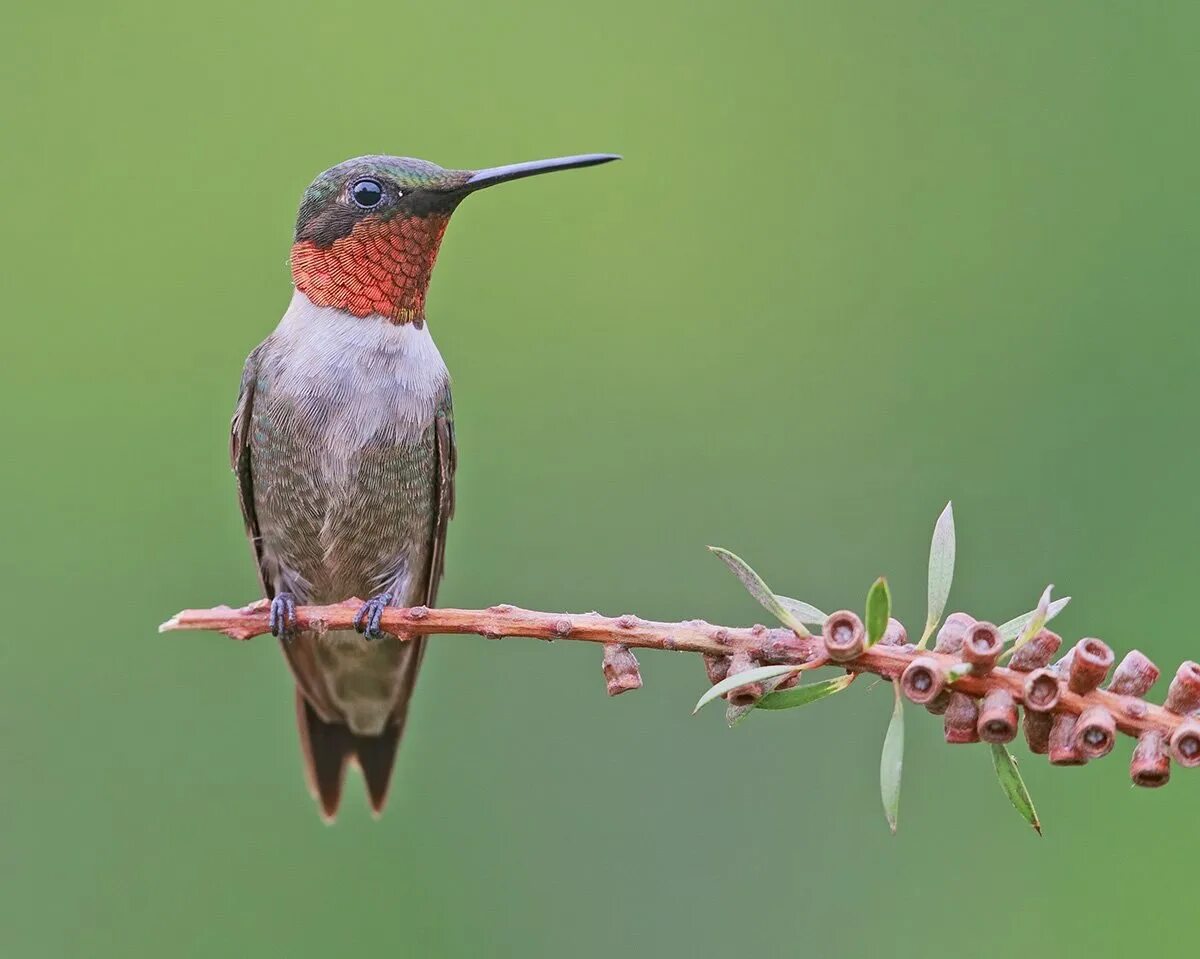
[1070, 716]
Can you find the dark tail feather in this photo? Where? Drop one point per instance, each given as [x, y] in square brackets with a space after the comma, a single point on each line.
[329, 747]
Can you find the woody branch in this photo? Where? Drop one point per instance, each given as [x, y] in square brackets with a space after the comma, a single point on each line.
[1067, 713]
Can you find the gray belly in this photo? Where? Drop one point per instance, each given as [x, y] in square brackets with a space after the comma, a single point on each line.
[343, 514]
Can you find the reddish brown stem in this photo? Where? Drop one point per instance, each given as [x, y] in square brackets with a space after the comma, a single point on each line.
[758, 644]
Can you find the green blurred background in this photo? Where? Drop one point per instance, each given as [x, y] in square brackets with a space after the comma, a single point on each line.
[859, 259]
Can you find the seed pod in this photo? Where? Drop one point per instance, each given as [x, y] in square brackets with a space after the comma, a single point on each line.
[997, 717]
[1043, 689]
[981, 648]
[1036, 653]
[844, 636]
[1134, 676]
[950, 636]
[1037, 731]
[962, 718]
[1095, 732]
[895, 634]
[750, 693]
[1183, 696]
[1062, 742]
[923, 680]
[1185, 743]
[939, 704]
[1150, 766]
[1090, 662]
[717, 668]
[621, 673]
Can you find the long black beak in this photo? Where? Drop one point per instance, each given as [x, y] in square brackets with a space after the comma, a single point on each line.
[515, 171]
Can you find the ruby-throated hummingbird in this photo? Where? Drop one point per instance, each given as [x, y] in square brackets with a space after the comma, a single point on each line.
[343, 446]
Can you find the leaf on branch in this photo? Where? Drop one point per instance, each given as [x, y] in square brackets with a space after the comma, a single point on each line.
[1014, 786]
[879, 610]
[1028, 625]
[744, 678]
[806, 613]
[957, 672]
[759, 590]
[803, 695]
[891, 761]
[941, 571]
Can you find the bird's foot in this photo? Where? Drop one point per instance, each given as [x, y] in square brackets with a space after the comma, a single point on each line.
[367, 620]
[283, 616]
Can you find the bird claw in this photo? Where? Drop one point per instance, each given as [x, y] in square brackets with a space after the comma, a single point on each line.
[369, 615]
[282, 620]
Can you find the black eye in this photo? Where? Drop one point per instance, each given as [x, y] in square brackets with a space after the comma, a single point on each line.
[366, 193]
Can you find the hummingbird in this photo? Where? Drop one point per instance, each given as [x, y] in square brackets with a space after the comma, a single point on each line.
[342, 443]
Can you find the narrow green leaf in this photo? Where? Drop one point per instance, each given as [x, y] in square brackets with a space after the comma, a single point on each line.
[1033, 621]
[756, 675]
[806, 613]
[879, 609]
[803, 695]
[891, 762]
[1014, 786]
[1017, 625]
[759, 590]
[941, 571]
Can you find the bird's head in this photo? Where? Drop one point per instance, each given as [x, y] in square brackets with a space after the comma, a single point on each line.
[368, 230]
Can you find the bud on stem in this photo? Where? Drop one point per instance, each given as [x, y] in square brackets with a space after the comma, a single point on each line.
[1037, 731]
[1185, 744]
[997, 717]
[844, 636]
[621, 673]
[982, 646]
[749, 694]
[1150, 766]
[962, 719]
[923, 680]
[1134, 676]
[1043, 689]
[950, 636]
[1090, 662]
[1095, 732]
[1183, 696]
[1036, 653]
[1063, 751]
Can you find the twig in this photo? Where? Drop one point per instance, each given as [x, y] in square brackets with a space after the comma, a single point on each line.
[1075, 688]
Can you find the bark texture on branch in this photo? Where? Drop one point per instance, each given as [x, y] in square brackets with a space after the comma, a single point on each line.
[1060, 693]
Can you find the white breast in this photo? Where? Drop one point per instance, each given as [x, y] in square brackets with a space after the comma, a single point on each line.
[373, 371]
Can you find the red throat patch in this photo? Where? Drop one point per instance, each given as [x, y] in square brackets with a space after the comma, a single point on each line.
[381, 267]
